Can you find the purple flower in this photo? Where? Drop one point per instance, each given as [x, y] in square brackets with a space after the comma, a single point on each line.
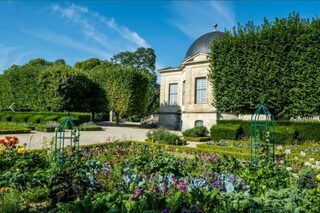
[165, 210]
[193, 207]
[153, 190]
[216, 183]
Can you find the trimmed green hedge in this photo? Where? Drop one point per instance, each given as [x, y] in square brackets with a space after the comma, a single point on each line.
[197, 139]
[90, 128]
[45, 128]
[13, 129]
[276, 61]
[293, 131]
[232, 132]
[43, 117]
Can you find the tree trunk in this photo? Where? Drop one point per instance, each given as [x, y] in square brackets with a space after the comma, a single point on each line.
[92, 116]
[117, 118]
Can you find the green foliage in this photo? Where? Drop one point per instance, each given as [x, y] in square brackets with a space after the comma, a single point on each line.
[12, 128]
[144, 59]
[230, 131]
[90, 126]
[10, 202]
[286, 132]
[197, 139]
[126, 90]
[276, 62]
[163, 136]
[198, 131]
[23, 170]
[45, 128]
[264, 178]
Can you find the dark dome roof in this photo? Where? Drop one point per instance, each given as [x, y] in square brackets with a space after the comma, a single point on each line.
[202, 44]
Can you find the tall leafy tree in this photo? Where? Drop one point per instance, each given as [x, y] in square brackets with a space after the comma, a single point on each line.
[88, 64]
[126, 91]
[66, 89]
[23, 82]
[145, 59]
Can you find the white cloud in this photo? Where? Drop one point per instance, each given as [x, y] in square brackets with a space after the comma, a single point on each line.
[90, 22]
[195, 18]
[69, 42]
[10, 55]
[5, 56]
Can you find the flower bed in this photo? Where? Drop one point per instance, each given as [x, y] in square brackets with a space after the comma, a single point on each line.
[136, 177]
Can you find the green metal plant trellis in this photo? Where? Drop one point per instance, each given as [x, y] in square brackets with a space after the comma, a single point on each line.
[262, 135]
[65, 131]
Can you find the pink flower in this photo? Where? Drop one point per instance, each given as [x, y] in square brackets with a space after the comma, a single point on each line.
[182, 187]
[137, 192]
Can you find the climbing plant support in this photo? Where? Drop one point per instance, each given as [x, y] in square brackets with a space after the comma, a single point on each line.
[262, 136]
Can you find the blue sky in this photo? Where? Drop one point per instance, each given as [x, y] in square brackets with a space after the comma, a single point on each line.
[77, 30]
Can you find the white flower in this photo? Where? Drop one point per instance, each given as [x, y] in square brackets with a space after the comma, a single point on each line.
[313, 166]
[288, 151]
[307, 164]
[289, 169]
[296, 158]
[279, 148]
[302, 154]
[317, 163]
[311, 159]
[295, 175]
[281, 161]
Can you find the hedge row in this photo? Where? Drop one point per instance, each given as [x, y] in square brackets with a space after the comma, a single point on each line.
[42, 117]
[197, 139]
[171, 148]
[285, 131]
[13, 129]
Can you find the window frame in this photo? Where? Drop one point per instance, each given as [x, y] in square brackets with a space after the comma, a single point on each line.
[196, 90]
[198, 121]
[176, 94]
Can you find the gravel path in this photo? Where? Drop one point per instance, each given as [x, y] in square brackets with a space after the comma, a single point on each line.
[37, 140]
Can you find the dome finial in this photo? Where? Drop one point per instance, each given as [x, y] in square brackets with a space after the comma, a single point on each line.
[215, 27]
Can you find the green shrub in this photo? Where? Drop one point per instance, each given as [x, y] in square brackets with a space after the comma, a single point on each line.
[163, 136]
[35, 119]
[82, 118]
[197, 139]
[198, 131]
[298, 131]
[6, 118]
[230, 131]
[45, 128]
[90, 128]
[47, 118]
[12, 128]
[20, 118]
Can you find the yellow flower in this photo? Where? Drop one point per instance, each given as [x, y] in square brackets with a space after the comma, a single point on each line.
[4, 189]
[21, 150]
[318, 177]
[2, 150]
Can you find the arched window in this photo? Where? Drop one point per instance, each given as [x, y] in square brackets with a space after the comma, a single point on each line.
[198, 123]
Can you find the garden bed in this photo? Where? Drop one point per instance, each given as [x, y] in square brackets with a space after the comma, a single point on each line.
[134, 176]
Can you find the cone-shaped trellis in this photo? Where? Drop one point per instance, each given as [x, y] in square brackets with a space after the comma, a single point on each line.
[262, 135]
[65, 134]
